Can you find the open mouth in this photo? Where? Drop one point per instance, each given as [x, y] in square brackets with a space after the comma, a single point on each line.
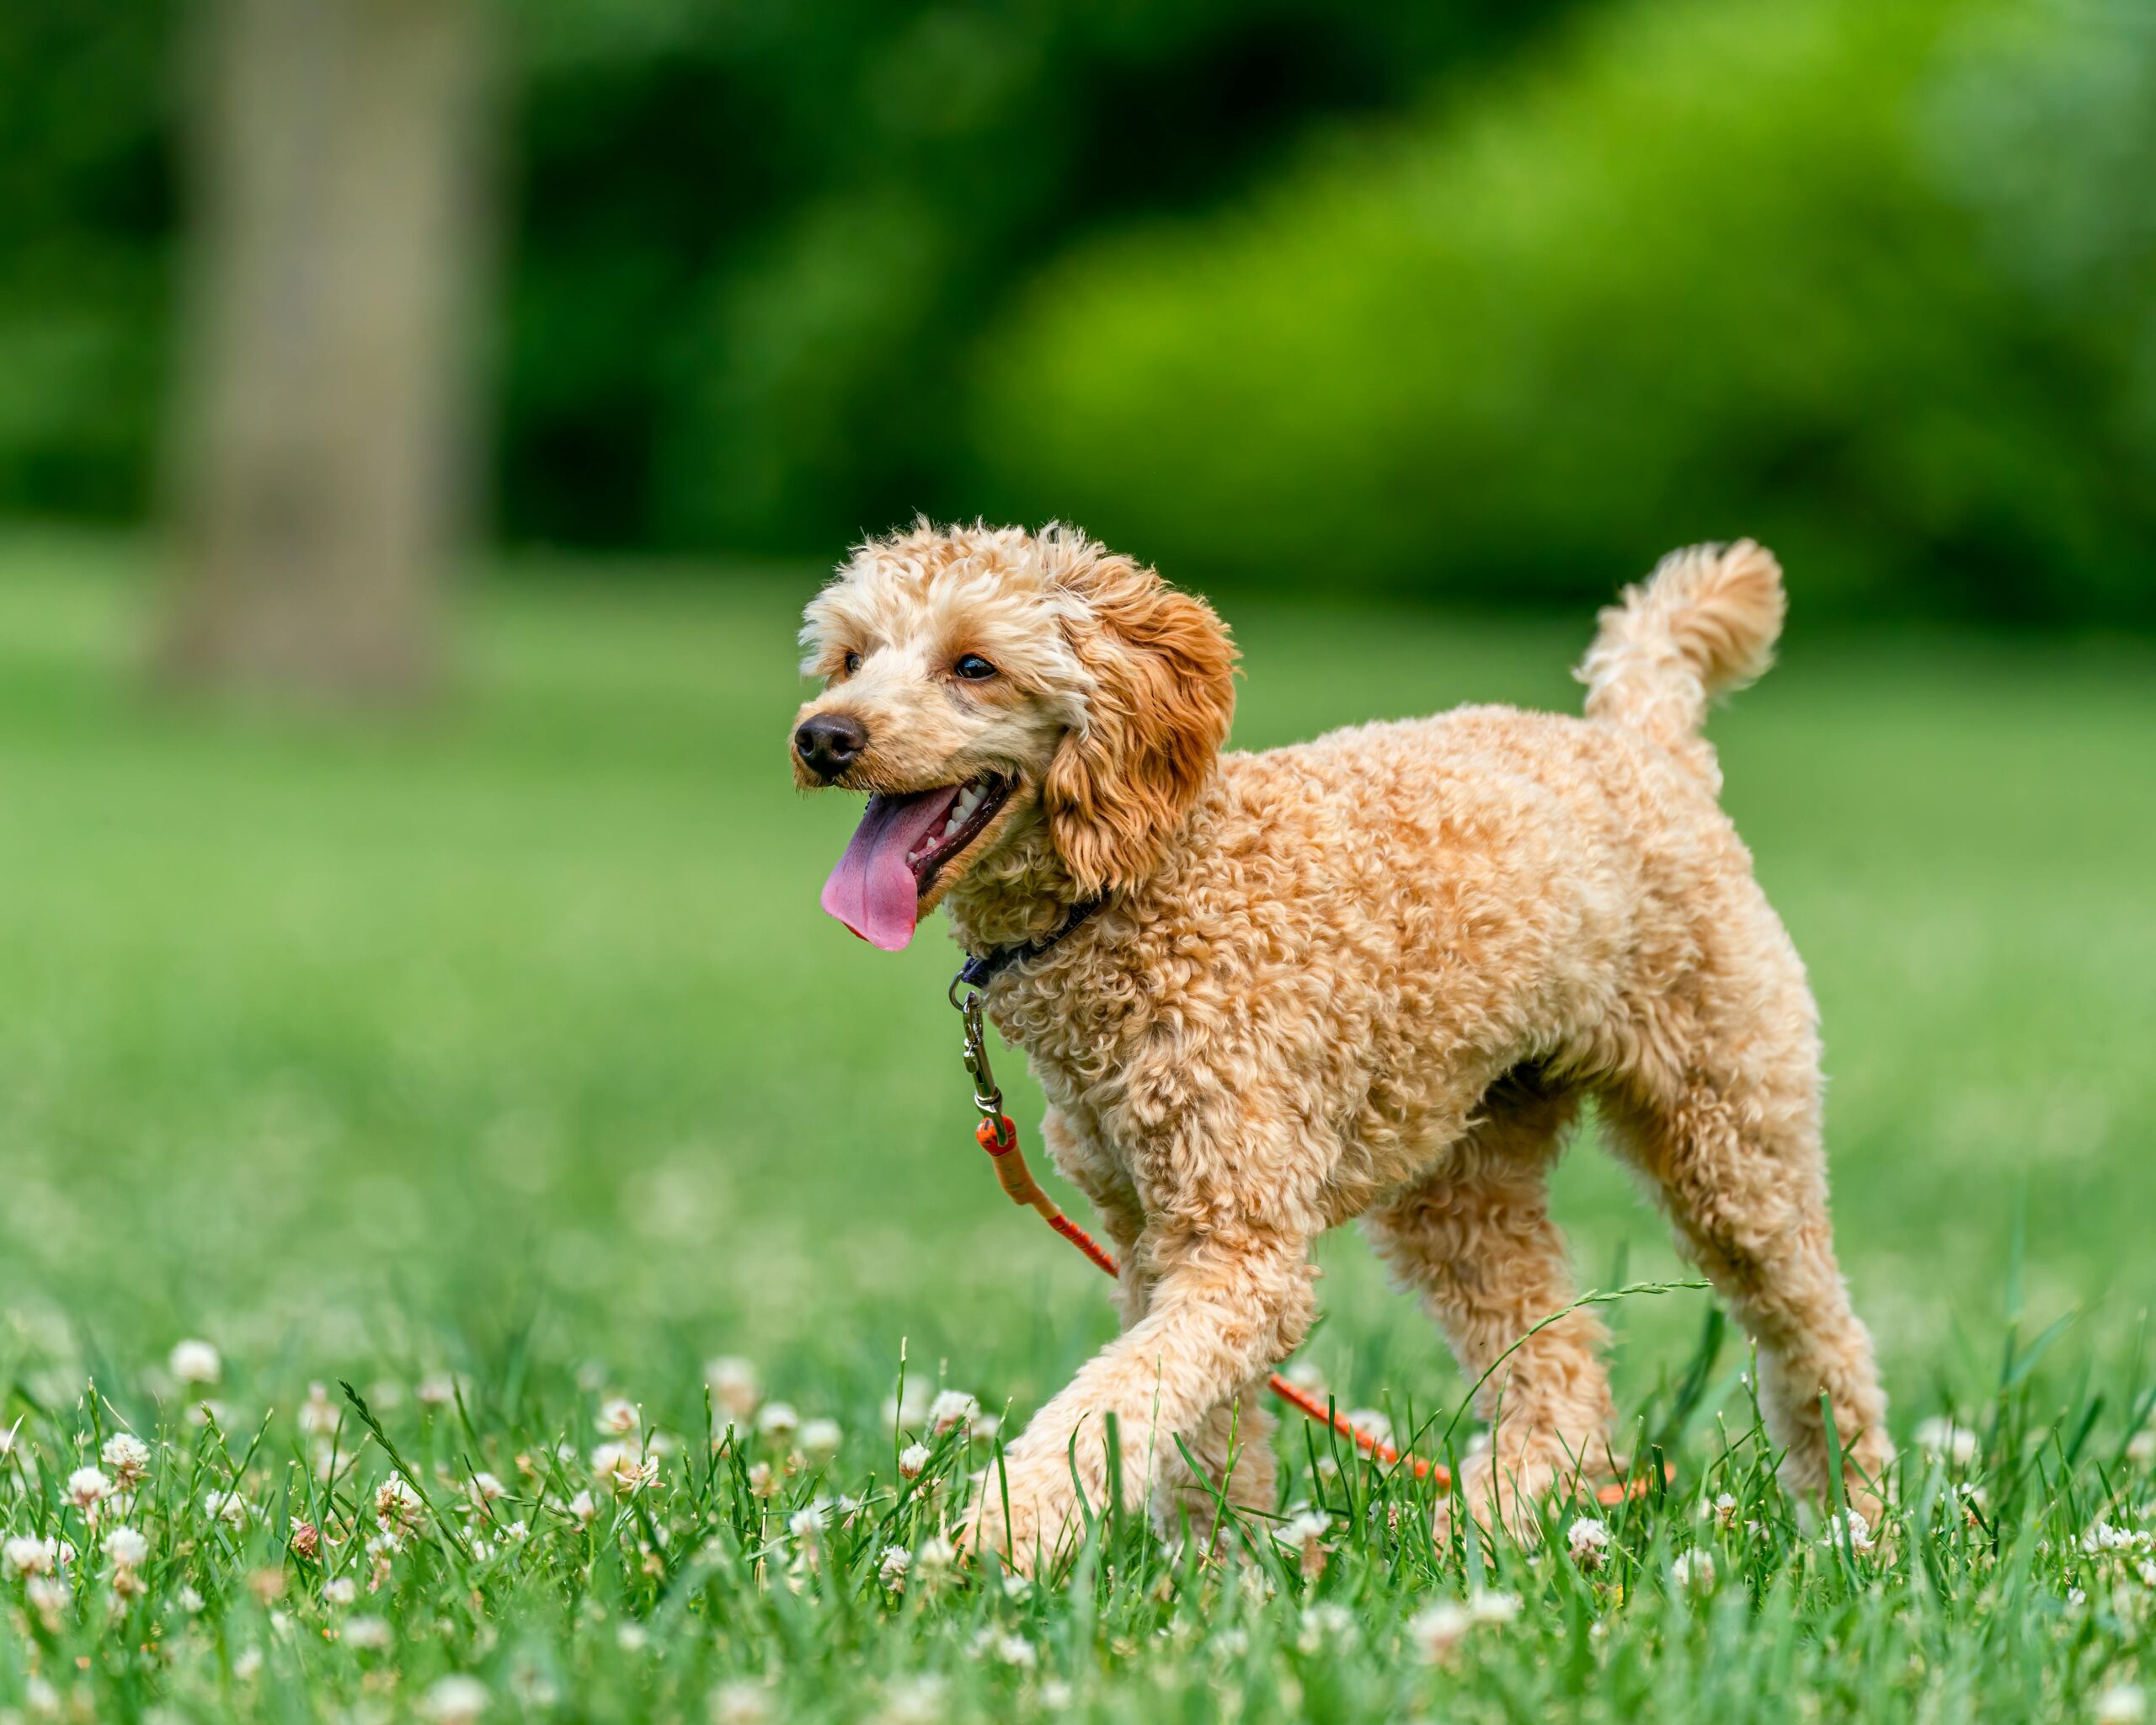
[899, 847]
[971, 806]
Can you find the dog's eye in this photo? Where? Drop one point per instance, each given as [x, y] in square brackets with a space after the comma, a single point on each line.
[973, 667]
[852, 663]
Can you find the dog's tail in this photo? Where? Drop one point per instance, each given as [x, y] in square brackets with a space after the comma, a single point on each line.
[1705, 623]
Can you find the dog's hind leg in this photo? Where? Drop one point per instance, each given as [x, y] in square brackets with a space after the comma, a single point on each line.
[1725, 1122]
[1475, 1239]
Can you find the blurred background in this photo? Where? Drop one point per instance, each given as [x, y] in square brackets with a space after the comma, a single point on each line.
[467, 397]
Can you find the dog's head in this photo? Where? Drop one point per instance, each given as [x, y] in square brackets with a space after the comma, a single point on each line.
[985, 684]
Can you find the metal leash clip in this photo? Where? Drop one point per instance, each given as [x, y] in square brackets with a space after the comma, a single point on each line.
[988, 1096]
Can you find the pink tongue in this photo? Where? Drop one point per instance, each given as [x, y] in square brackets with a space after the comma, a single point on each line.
[872, 889]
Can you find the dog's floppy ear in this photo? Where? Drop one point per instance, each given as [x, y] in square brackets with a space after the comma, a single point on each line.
[1164, 690]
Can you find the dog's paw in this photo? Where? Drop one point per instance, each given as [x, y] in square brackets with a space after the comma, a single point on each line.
[1490, 1497]
[1867, 1474]
[1026, 1535]
[1506, 1489]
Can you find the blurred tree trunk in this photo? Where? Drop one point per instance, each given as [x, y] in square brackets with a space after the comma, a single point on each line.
[322, 455]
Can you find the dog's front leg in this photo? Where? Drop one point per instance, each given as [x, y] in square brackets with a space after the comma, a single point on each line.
[1226, 1303]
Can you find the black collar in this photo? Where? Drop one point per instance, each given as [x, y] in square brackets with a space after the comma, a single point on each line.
[982, 969]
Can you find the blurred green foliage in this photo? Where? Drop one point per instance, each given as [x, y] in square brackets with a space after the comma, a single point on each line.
[748, 245]
[1458, 299]
[1874, 283]
[86, 215]
[756, 242]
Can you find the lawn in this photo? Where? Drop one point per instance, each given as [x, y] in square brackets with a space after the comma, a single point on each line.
[498, 1061]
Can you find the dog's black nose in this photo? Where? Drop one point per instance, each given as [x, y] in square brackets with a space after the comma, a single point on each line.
[829, 743]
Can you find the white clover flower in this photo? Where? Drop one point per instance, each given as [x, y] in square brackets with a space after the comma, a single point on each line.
[2102, 1536]
[1014, 1651]
[912, 1461]
[951, 1409]
[1304, 1534]
[820, 1440]
[195, 1361]
[1056, 1694]
[1497, 1608]
[2141, 1448]
[368, 1634]
[1725, 1512]
[915, 1701]
[88, 1488]
[1946, 1439]
[907, 1413]
[762, 1481]
[733, 1384]
[778, 1420]
[339, 1590]
[456, 1699]
[891, 1568]
[189, 1600]
[623, 1469]
[128, 1457]
[937, 1558]
[1856, 1529]
[618, 1417]
[228, 1506]
[126, 1548]
[2122, 1704]
[487, 1489]
[1436, 1632]
[1693, 1570]
[318, 1415]
[1372, 1424]
[48, 1597]
[739, 1703]
[2146, 1570]
[806, 1525]
[436, 1390]
[398, 1509]
[249, 1665]
[583, 1508]
[25, 1555]
[1588, 1540]
[382, 1551]
[1329, 1622]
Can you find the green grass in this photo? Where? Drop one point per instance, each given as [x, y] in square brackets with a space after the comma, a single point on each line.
[507, 1048]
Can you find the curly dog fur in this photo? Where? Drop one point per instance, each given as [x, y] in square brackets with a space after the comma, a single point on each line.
[1373, 976]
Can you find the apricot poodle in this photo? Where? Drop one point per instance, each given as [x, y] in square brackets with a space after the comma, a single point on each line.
[1372, 975]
